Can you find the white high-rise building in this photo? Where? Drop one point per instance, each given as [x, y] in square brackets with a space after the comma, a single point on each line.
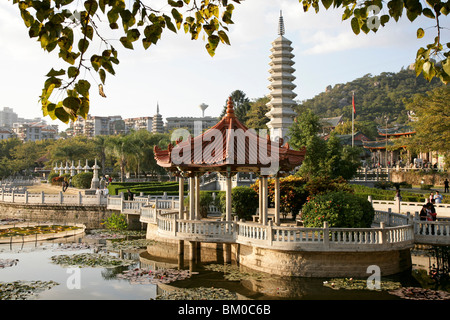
[7, 117]
[281, 114]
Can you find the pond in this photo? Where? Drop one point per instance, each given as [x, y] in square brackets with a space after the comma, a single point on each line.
[143, 277]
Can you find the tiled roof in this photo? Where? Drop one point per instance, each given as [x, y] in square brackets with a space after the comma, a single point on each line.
[228, 144]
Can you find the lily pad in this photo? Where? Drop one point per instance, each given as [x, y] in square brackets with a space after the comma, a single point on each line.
[413, 293]
[4, 263]
[129, 244]
[145, 276]
[23, 290]
[93, 260]
[355, 284]
[233, 273]
[201, 293]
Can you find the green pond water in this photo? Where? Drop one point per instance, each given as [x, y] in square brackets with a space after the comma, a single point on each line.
[34, 262]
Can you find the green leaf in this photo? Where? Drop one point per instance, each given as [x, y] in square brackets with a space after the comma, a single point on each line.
[83, 44]
[355, 25]
[133, 35]
[446, 66]
[82, 87]
[54, 73]
[224, 37]
[420, 33]
[72, 103]
[428, 13]
[62, 115]
[126, 43]
[178, 17]
[213, 42]
[327, 3]
[102, 75]
[72, 72]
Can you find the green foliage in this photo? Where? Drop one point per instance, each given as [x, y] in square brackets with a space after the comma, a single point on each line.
[82, 180]
[52, 175]
[323, 157]
[148, 188]
[116, 222]
[293, 193]
[241, 105]
[244, 202]
[432, 127]
[73, 31]
[432, 61]
[340, 209]
[375, 96]
[206, 200]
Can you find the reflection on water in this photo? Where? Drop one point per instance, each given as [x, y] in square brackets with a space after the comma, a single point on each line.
[34, 263]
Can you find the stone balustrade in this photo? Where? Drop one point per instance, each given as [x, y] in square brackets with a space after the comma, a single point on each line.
[53, 198]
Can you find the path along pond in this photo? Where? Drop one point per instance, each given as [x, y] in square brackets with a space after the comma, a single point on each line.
[99, 266]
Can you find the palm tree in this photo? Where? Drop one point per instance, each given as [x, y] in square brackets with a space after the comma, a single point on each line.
[119, 147]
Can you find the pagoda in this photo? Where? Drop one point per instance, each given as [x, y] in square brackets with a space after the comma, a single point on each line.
[158, 124]
[281, 114]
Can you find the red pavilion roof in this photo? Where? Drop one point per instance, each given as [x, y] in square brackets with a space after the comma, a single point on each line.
[229, 145]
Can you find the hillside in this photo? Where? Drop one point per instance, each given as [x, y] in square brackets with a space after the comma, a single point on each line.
[374, 96]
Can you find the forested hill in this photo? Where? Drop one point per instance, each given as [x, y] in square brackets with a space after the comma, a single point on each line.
[374, 96]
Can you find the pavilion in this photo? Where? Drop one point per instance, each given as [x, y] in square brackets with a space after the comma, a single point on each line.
[228, 148]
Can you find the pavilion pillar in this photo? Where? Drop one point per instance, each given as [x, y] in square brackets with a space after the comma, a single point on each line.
[265, 201]
[228, 198]
[260, 199]
[181, 197]
[277, 200]
[197, 196]
[191, 198]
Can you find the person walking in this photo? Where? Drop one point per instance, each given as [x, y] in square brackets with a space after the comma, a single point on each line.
[446, 186]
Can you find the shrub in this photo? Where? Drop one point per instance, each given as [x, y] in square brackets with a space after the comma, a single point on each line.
[244, 202]
[292, 193]
[340, 209]
[52, 175]
[82, 180]
[206, 200]
[57, 181]
[116, 222]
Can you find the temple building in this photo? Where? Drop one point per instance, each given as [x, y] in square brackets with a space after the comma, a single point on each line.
[386, 151]
[281, 115]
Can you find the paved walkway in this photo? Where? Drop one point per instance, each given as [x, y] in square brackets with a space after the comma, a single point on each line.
[48, 188]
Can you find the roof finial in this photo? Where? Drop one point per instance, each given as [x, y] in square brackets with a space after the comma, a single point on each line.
[157, 107]
[230, 108]
[281, 25]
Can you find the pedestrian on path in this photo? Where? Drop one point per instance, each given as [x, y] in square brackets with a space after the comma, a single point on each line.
[446, 186]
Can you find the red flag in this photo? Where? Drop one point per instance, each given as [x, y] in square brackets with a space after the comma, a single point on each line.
[353, 103]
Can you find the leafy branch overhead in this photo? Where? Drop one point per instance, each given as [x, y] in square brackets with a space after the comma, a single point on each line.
[65, 26]
[432, 61]
[72, 27]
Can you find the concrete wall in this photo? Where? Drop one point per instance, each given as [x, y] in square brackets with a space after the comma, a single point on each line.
[322, 264]
[90, 216]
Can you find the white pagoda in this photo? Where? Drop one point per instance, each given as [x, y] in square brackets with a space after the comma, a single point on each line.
[158, 124]
[281, 114]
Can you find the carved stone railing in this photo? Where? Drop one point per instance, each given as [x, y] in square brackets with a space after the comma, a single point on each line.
[60, 198]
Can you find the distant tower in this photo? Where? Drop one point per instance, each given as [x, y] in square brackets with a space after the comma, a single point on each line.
[281, 114]
[158, 124]
[203, 108]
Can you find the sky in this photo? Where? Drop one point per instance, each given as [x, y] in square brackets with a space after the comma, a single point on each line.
[179, 74]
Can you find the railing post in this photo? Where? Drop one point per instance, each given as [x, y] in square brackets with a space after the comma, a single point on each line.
[383, 233]
[389, 217]
[12, 195]
[175, 225]
[326, 235]
[61, 199]
[42, 197]
[3, 194]
[26, 197]
[269, 233]
[79, 198]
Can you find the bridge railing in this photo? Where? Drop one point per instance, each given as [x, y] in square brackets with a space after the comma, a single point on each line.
[53, 198]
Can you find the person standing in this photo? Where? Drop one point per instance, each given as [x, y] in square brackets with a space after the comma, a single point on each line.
[446, 186]
[438, 197]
